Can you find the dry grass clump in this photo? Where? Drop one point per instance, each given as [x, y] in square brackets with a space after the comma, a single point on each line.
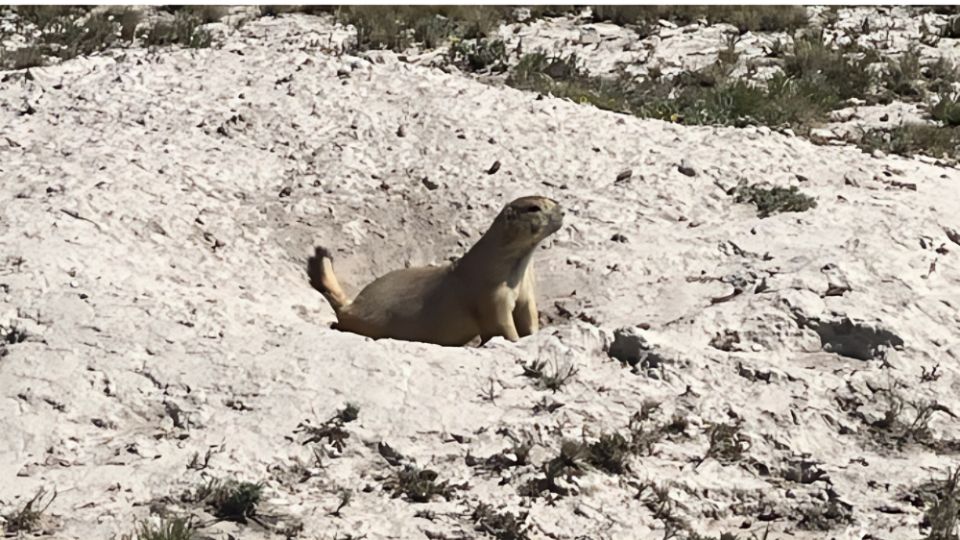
[549, 377]
[815, 80]
[947, 109]
[943, 515]
[478, 55]
[29, 518]
[65, 32]
[400, 27]
[727, 443]
[816, 77]
[185, 29]
[745, 18]
[205, 14]
[332, 431]
[911, 139]
[168, 529]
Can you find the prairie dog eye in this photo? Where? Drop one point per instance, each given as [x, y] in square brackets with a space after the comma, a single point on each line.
[531, 209]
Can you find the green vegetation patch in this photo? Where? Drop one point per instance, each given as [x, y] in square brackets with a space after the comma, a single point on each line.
[774, 200]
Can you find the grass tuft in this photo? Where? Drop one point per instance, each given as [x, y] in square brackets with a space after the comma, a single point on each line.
[22, 58]
[610, 453]
[745, 18]
[168, 529]
[902, 76]
[552, 379]
[332, 430]
[400, 27]
[65, 32]
[912, 139]
[774, 200]
[185, 29]
[500, 525]
[562, 77]
[947, 110]
[28, 519]
[726, 443]
[419, 485]
[478, 55]
[943, 516]
[230, 500]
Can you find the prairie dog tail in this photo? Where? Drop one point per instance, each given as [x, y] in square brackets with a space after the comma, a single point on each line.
[322, 278]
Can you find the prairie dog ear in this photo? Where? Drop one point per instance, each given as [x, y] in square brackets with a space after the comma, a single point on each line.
[510, 213]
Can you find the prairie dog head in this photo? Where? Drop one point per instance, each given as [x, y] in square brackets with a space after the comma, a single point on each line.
[526, 221]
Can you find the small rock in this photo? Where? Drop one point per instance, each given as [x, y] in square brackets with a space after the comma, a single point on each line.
[686, 169]
[429, 184]
[494, 168]
[401, 132]
[631, 348]
[802, 178]
[619, 238]
[521, 14]
[953, 235]
[286, 191]
[844, 115]
[589, 36]
[821, 135]
[725, 341]
[878, 154]
[885, 117]
[624, 175]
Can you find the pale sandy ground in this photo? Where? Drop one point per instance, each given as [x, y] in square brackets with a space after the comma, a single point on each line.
[157, 209]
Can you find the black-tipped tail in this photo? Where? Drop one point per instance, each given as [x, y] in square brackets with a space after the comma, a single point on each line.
[322, 278]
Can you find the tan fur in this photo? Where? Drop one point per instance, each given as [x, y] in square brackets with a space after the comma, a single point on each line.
[488, 292]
